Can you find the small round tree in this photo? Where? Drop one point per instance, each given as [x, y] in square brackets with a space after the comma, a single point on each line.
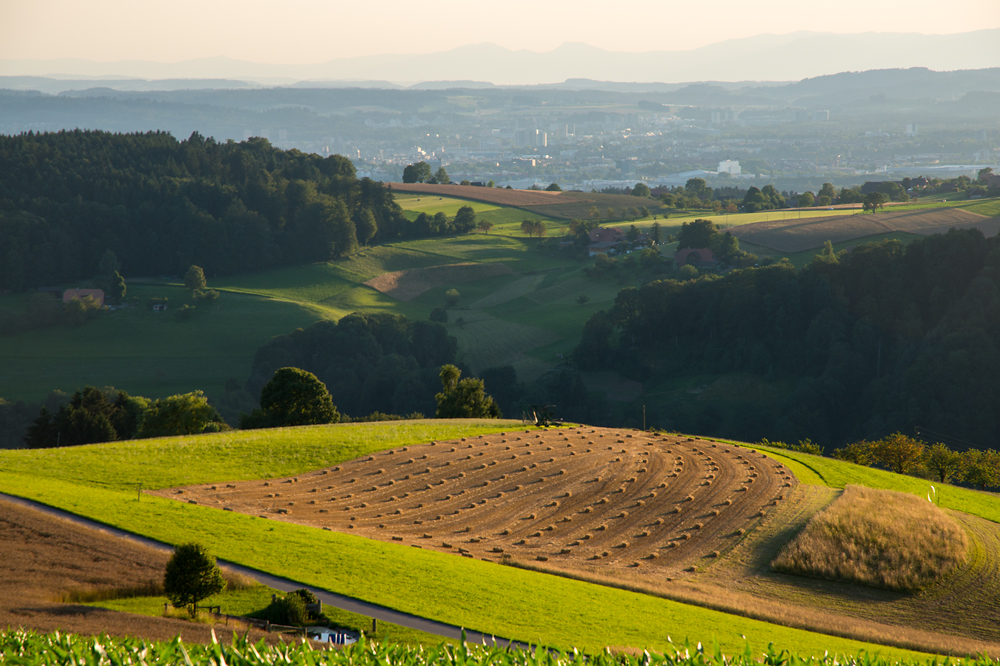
[191, 576]
[297, 397]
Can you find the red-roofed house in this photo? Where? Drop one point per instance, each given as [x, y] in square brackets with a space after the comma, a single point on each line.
[96, 294]
[699, 257]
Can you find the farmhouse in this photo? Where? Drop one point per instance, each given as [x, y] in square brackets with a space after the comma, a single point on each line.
[606, 235]
[595, 249]
[698, 257]
[96, 294]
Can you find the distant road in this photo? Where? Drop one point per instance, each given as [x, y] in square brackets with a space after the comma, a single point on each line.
[285, 585]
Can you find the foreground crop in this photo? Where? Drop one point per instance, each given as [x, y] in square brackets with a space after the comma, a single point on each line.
[30, 649]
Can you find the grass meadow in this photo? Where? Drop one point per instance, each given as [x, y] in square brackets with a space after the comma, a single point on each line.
[148, 353]
[100, 482]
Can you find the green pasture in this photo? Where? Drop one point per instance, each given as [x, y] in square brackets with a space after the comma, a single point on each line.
[251, 601]
[148, 353]
[98, 482]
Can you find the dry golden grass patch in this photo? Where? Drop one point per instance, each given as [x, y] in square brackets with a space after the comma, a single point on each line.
[878, 538]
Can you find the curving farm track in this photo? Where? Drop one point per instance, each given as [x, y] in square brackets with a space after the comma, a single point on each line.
[590, 499]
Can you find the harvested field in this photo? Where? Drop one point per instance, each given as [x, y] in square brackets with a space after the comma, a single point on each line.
[797, 235]
[407, 285]
[44, 559]
[492, 195]
[558, 205]
[591, 500]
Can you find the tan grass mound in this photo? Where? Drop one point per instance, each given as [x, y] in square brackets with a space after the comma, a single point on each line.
[878, 538]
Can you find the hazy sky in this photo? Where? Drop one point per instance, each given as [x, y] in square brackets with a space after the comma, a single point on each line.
[314, 31]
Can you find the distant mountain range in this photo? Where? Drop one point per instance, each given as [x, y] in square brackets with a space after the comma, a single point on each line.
[763, 58]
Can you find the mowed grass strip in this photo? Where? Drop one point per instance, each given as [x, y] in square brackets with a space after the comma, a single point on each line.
[505, 601]
[234, 455]
[878, 538]
[819, 470]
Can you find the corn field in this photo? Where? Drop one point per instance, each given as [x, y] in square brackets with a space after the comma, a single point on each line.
[26, 648]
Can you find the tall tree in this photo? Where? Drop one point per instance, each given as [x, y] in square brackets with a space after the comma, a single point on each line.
[463, 398]
[293, 397]
[191, 575]
[194, 279]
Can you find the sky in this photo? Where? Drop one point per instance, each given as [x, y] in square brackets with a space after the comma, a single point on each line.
[316, 31]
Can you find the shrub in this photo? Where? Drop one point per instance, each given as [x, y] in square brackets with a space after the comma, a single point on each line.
[289, 610]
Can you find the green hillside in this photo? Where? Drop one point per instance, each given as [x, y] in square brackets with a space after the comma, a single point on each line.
[100, 482]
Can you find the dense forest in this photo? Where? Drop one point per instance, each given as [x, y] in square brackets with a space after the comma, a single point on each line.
[162, 205]
[369, 363]
[855, 345]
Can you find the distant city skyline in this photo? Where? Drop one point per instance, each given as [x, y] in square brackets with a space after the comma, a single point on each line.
[316, 31]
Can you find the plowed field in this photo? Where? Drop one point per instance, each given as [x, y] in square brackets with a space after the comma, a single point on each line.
[589, 499]
[797, 235]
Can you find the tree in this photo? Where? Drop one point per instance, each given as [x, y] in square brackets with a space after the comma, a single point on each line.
[632, 234]
[642, 190]
[696, 234]
[109, 264]
[441, 177]
[807, 200]
[942, 461]
[293, 397]
[191, 576]
[533, 228]
[873, 201]
[366, 226]
[439, 315]
[984, 174]
[828, 190]
[115, 288]
[463, 398]
[181, 414]
[451, 297]
[981, 468]
[417, 173]
[484, 226]
[594, 213]
[654, 232]
[898, 452]
[554, 187]
[465, 219]
[194, 279]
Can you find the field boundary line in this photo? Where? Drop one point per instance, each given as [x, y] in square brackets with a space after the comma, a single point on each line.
[340, 601]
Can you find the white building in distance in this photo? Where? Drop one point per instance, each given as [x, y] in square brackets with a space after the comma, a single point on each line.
[729, 166]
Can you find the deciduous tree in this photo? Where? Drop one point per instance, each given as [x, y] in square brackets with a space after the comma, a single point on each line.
[192, 575]
[463, 398]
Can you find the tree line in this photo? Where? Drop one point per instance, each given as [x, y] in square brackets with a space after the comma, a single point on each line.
[161, 205]
[854, 346]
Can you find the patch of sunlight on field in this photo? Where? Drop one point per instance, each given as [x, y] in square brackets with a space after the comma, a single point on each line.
[485, 341]
[414, 204]
[509, 292]
[312, 283]
[383, 259]
[566, 293]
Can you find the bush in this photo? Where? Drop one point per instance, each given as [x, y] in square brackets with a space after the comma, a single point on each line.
[439, 315]
[289, 609]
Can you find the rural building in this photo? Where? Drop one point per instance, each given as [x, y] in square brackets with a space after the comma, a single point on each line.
[700, 257]
[606, 235]
[605, 247]
[96, 294]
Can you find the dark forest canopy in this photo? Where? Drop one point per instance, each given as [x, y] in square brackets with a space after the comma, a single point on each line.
[369, 362]
[162, 205]
[855, 345]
